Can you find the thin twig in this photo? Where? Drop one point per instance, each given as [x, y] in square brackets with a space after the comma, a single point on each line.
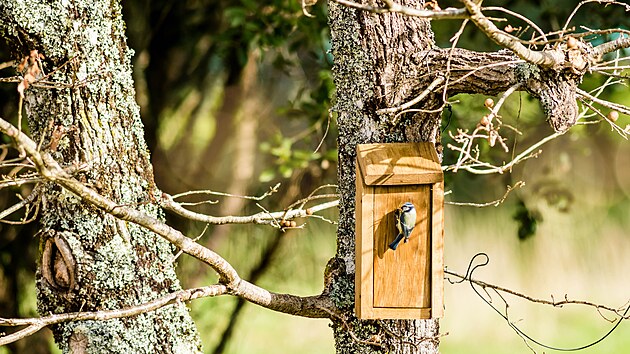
[615, 106]
[262, 218]
[575, 10]
[527, 154]
[495, 110]
[271, 191]
[618, 311]
[494, 203]
[50, 169]
[439, 80]
[35, 324]
[622, 132]
[519, 16]
[179, 253]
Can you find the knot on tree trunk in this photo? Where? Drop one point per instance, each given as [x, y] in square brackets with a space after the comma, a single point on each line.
[58, 263]
[556, 91]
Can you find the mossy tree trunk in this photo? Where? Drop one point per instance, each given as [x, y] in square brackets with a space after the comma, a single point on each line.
[371, 52]
[89, 121]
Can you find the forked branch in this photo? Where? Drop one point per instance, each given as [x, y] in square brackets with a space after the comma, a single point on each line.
[228, 276]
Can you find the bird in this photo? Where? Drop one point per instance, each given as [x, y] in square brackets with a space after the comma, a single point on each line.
[405, 222]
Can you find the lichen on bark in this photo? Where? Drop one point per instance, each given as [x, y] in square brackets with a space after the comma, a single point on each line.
[371, 54]
[89, 121]
[556, 91]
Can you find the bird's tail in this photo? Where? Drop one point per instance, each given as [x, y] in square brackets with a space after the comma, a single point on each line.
[396, 241]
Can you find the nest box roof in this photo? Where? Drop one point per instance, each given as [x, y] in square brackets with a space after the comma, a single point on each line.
[399, 163]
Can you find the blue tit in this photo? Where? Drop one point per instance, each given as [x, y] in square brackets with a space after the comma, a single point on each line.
[405, 222]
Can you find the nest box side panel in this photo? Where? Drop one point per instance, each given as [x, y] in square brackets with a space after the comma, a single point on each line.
[437, 258]
[402, 278]
[363, 248]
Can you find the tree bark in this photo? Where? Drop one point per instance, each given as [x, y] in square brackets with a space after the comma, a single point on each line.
[88, 120]
[383, 61]
[373, 56]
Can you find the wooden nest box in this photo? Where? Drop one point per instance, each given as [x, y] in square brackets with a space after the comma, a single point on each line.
[407, 283]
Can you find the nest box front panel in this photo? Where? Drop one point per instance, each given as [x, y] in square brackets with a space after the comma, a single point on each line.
[402, 277]
[406, 282]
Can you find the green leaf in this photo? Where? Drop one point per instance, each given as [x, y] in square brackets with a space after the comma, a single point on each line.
[267, 175]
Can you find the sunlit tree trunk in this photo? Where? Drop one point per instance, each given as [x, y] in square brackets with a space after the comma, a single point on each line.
[88, 120]
[371, 52]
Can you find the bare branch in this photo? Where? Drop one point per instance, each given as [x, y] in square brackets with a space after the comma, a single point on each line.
[179, 253]
[547, 59]
[262, 218]
[623, 132]
[50, 169]
[446, 14]
[495, 110]
[555, 303]
[494, 203]
[473, 266]
[306, 4]
[302, 202]
[530, 152]
[584, 2]
[550, 58]
[608, 47]
[35, 324]
[607, 68]
[519, 16]
[486, 130]
[271, 191]
[14, 182]
[454, 40]
[616, 106]
[439, 80]
[7, 64]
[23, 203]
[591, 32]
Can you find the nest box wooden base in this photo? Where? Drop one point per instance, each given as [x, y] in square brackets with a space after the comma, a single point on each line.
[407, 283]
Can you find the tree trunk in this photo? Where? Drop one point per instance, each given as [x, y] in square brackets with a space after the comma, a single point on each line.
[373, 56]
[89, 121]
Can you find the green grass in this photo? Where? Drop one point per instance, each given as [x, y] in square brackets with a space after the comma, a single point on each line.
[574, 254]
[297, 269]
[571, 255]
[564, 258]
[263, 332]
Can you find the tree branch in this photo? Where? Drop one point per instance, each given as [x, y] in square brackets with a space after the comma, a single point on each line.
[49, 168]
[547, 59]
[35, 324]
[263, 218]
[555, 303]
[446, 14]
[608, 47]
[494, 203]
[438, 81]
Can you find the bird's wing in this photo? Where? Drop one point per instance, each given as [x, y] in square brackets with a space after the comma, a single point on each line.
[396, 241]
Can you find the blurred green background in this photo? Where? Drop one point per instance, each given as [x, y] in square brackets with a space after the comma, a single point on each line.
[235, 98]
